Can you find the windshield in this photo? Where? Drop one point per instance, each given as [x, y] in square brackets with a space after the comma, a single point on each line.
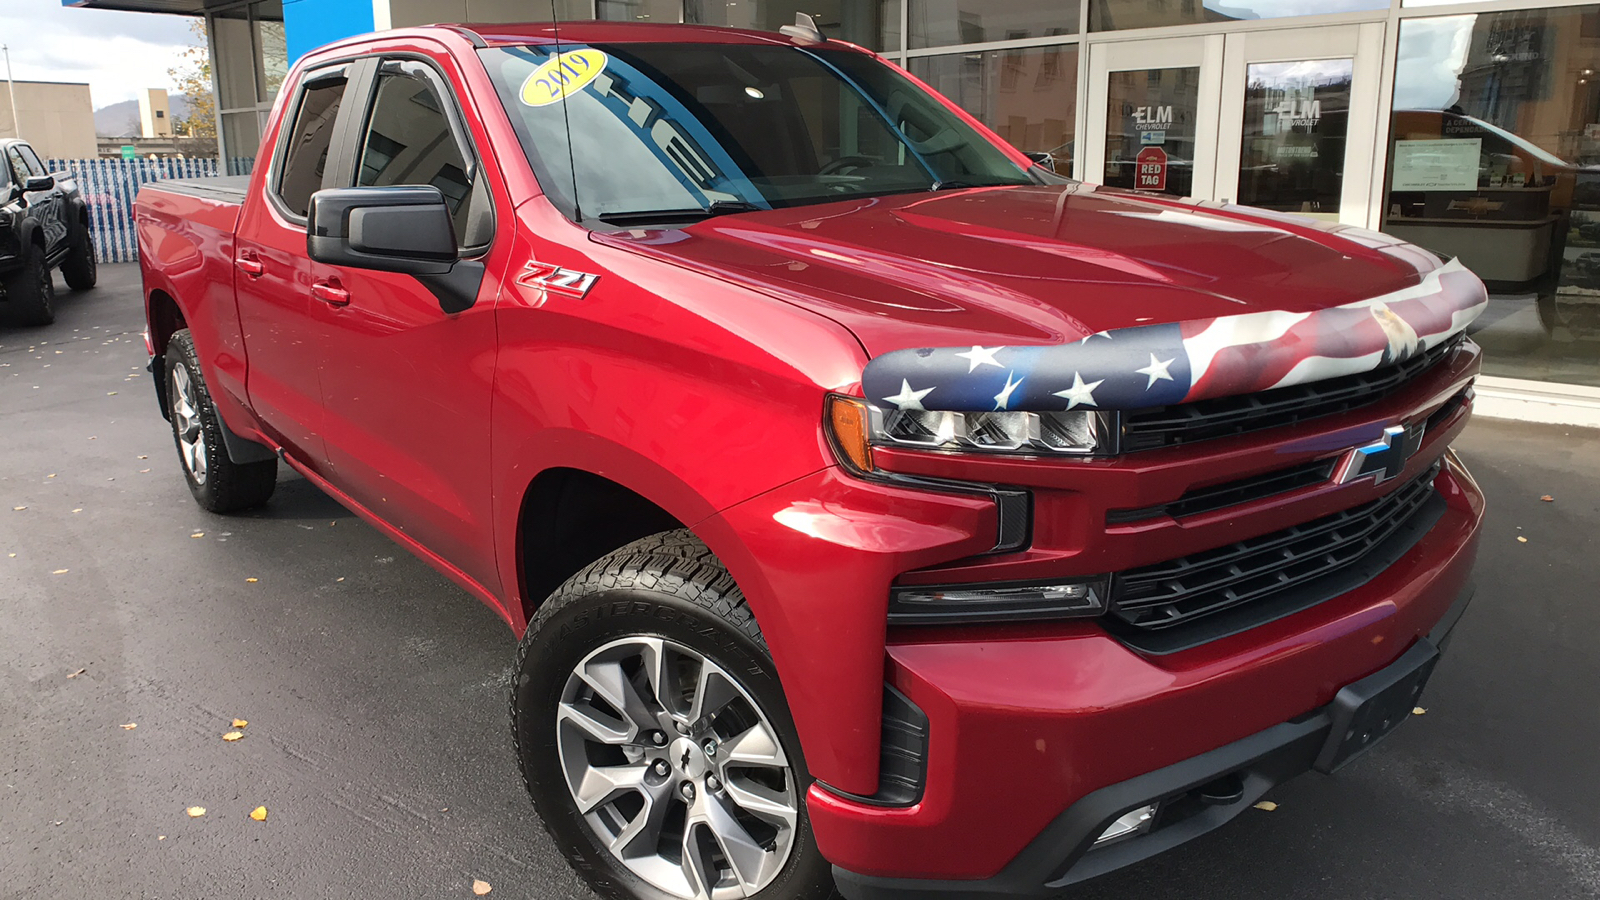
[665, 131]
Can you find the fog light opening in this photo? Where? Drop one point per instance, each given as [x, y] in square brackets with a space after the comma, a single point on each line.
[1130, 824]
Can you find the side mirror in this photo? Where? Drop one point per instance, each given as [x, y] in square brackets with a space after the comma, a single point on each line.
[391, 229]
[1043, 160]
[38, 183]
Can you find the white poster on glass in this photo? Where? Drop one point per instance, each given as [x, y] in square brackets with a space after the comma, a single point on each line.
[1443, 165]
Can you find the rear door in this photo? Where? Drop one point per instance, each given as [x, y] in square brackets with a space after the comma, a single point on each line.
[272, 275]
[406, 385]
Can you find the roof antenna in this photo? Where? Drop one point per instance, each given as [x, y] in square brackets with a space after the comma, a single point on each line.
[803, 31]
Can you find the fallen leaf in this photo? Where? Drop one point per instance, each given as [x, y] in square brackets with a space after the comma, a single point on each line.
[250, 580]
[161, 837]
[144, 457]
[196, 812]
[233, 735]
[143, 471]
[18, 508]
[111, 393]
[77, 673]
[13, 556]
[1266, 806]
[198, 534]
[51, 475]
[336, 579]
[60, 571]
[130, 726]
[1546, 498]
[240, 723]
[259, 814]
[1418, 711]
[78, 510]
[1521, 539]
[480, 887]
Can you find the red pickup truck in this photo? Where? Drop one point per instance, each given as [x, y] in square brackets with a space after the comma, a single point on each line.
[876, 508]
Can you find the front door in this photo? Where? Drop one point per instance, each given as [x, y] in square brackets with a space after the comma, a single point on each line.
[405, 384]
[1281, 119]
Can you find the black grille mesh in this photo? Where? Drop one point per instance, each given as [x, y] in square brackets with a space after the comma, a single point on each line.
[1177, 591]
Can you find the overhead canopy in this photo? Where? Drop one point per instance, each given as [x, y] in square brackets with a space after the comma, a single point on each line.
[175, 7]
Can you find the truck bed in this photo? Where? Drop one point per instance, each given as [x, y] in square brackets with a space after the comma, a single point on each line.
[221, 188]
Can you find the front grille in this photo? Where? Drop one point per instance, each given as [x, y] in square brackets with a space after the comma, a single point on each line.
[1233, 493]
[1184, 423]
[1172, 593]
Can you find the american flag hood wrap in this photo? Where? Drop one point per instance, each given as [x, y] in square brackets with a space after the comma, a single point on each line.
[1159, 365]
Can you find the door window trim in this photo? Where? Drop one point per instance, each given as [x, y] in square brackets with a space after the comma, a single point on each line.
[286, 128]
[455, 120]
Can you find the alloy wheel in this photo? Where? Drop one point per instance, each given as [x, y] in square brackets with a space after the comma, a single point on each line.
[676, 769]
[186, 422]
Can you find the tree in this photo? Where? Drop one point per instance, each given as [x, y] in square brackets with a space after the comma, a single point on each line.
[192, 77]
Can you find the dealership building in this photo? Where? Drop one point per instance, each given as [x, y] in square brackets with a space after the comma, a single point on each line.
[1472, 129]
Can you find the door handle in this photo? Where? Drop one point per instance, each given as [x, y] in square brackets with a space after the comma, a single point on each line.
[331, 293]
[250, 265]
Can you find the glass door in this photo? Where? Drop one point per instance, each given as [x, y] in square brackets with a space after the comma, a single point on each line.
[1298, 120]
[1152, 115]
[1284, 119]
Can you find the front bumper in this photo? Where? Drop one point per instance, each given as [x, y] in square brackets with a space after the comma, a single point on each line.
[1195, 795]
[1036, 734]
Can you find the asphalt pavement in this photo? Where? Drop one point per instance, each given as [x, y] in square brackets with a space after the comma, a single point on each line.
[375, 690]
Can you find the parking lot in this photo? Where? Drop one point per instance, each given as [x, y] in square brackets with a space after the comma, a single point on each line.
[375, 690]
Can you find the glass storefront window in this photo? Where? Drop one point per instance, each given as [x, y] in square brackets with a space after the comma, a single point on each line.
[1030, 97]
[870, 24]
[1110, 15]
[1494, 158]
[1296, 116]
[1150, 130]
[267, 17]
[639, 10]
[941, 23]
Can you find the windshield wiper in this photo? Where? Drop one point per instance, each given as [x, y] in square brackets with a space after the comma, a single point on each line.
[655, 216]
[952, 184]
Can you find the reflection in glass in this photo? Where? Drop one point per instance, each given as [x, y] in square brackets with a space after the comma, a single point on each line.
[1110, 15]
[1494, 158]
[1028, 96]
[230, 36]
[940, 23]
[869, 24]
[267, 17]
[1296, 115]
[639, 10]
[1150, 130]
[241, 133]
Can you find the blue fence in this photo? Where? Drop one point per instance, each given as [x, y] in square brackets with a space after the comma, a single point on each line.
[109, 186]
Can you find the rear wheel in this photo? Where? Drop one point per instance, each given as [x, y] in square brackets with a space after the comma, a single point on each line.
[79, 269]
[30, 291]
[654, 738]
[217, 482]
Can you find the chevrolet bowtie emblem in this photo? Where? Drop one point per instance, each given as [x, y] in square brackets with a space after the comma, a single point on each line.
[1384, 459]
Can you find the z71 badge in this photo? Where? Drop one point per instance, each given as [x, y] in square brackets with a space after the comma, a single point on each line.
[548, 279]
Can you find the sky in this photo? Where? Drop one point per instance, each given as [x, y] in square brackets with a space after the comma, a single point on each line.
[117, 53]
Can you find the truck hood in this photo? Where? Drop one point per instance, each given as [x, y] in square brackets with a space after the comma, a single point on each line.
[1043, 266]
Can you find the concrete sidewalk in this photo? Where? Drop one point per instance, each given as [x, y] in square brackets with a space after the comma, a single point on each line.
[376, 690]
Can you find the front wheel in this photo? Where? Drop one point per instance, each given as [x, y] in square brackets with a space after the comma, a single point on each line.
[653, 734]
[218, 483]
[30, 290]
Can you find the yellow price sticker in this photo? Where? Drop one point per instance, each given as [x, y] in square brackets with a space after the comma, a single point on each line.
[562, 75]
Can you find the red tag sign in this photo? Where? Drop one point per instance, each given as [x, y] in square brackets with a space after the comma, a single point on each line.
[1152, 170]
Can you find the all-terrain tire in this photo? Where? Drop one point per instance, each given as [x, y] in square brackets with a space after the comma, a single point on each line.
[670, 586]
[30, 291]
[218, 483]
[79, 269]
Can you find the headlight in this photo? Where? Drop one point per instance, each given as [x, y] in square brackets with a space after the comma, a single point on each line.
[931, 605]
[857, 427]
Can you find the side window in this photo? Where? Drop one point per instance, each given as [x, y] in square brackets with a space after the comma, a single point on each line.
[19, 169]
[408, 141]
[307, 140]
[32, 159]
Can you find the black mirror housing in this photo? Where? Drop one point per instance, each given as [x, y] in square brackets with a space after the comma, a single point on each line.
[404, 228]
[39, 183]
